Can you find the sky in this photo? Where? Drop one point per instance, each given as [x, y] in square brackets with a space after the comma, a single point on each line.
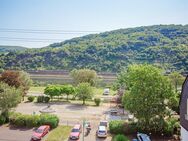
[38, 23]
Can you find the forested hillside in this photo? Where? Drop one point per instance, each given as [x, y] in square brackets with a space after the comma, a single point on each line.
[165, 46]
[5, 49]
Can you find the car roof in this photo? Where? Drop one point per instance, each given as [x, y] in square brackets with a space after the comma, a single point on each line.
[102, 128]
[77, 126]
[43, 127]
[145, 137]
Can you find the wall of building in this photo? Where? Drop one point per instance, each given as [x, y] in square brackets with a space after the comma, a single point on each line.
[184, 134]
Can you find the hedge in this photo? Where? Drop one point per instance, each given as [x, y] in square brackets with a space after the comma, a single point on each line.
[2, 119]
[122, 127]
[31, 98]
[97, 101]
[120, 137]
[21, 120]
[43, 99]
[170, 126]
[116, 126]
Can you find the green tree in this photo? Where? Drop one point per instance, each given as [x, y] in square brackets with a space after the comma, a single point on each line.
[52, 91]
[84, 76]
[84, 91]
[67, 89]
[176, 79]
[26, 82]
[9, 98]
[148, 93]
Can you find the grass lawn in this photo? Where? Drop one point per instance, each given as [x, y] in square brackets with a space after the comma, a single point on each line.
[59, 134]
[37, 89]
[97, 91]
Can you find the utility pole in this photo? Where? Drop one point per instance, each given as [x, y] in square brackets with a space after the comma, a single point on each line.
[83, 125]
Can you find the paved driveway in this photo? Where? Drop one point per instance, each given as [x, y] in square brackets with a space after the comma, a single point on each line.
[15, 134]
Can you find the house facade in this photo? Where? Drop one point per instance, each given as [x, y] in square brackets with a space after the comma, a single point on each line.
[184, 111]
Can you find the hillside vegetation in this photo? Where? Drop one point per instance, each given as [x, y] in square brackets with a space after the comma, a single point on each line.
[165, 46]
[6, 49]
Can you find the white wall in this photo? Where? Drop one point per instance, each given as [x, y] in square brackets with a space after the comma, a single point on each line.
[184, 134]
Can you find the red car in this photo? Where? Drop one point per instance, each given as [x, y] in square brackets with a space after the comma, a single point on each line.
[75, 133]
[40, 132]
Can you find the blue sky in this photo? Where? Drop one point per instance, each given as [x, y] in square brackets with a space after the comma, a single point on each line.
[83, 15]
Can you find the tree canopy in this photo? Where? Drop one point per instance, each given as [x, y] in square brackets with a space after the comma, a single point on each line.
[148, 94]
[52, 90]
[67, 89]
[9, 98]
[84, 91]
[84, 76]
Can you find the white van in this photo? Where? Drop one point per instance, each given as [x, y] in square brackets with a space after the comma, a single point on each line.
[106, 91]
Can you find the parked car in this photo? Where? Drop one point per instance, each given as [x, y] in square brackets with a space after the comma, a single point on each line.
[113, 111]
[103, 123]
[40, 132]
[75, 132]
[106, 91]
[142, 137]
[102, 131]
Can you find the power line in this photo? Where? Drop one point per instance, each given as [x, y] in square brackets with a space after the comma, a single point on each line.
[29, 39]
[46, 31]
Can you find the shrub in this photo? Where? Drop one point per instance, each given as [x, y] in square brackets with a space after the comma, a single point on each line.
[40, 99]
[43, 99]
[120, 137]
[32, 120]
[48, 119]
[171, 125]
[116, 126]
[2, 119]
[12, 117]
[97, 101]
[130, 128]
[46, 99]
[20, 120]
[31, 98]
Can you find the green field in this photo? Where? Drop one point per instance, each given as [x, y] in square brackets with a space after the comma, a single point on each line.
[59, 134]
[36, 89]
[97, 91]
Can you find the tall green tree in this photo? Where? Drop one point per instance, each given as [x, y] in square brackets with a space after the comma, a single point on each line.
[26, 82]
[84, 76]
[176, 79]
[9, 98]
[148, 93]
[52, 91]
[68, 90]
[84, 91]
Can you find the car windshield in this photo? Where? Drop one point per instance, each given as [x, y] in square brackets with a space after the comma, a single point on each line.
[144, 138]
[39, 131]
[75, 130]
[101, 131]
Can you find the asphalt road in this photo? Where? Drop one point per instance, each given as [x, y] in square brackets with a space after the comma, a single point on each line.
[15, 134]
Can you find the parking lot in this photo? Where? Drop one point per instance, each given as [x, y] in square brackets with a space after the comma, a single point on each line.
[15, 134]
[69, 114]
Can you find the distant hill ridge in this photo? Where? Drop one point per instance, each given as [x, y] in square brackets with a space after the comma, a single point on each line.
[165, 46]
[5, 48]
